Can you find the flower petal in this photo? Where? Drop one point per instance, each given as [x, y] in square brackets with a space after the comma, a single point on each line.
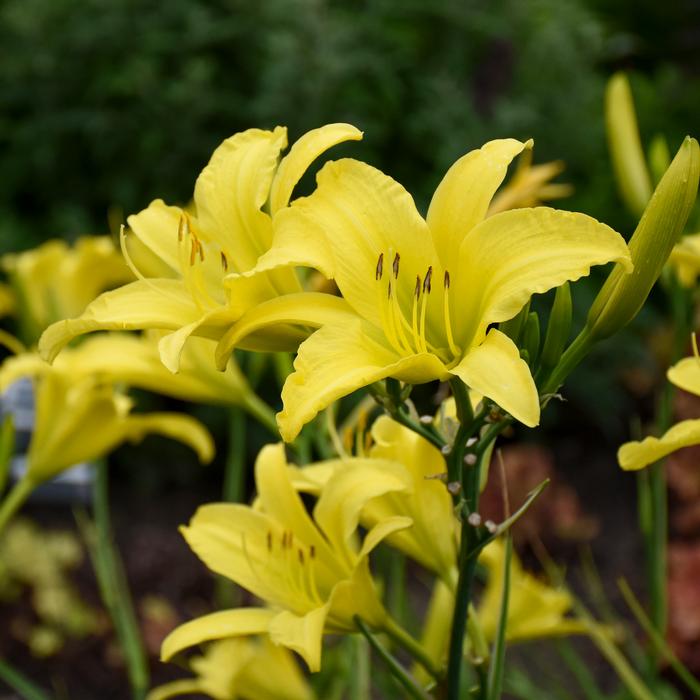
[301, 155]
[343, 497]
[337, 360]
[496, 370]
[301, 633]
[355, 214]
[177, 426]
[636, 455]
[157, 227]
[142, 304]
[512, 255]
[231, 190]
[218, 625]
[686, 375]
[306, 308]
[462, 198]
[185, 686]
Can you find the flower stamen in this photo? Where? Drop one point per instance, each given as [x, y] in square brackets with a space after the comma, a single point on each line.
[448, 325]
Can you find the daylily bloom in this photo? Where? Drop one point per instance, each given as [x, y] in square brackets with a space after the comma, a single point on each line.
[134, 360]
[637, 455]
[79, 418]
[195, 255]
[312, 572]
[432, 538]
[685, 260]
[424, 293]
[55, 281]
[241, 668]
[535, 608]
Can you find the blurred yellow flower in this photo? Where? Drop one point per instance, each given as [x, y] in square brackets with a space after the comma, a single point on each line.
[241, 668]
[424, 293]
[55, 281]
[196, 253]
[78, 417]
[685, 260]
[637, 455]
[312, 572]
[7, 300]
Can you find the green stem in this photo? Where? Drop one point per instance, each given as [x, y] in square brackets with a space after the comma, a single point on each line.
[572, 356]
[234, 476]
[398, 672]
[14, 500]
[114, 589]
[399, 635]
[22, 685]
[262, 413]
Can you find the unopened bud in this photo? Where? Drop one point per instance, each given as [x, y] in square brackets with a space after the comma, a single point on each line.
[626, 151]
[660, 227]
[558, 328]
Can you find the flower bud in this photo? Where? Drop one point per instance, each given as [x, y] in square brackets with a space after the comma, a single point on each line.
[660, 227]
[558, 328]
[628, 160]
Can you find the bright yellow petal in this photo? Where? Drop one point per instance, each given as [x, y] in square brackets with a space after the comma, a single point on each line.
[177, 426]
[636, 455]
[462, 198]
[157, 228]
[337, 511]
[686, 375]
[307, 308]
[25, 365]
[511, 256]
[337, 360]
[301, 633]
[496, 370]
[278, 497]
[218, 625]
[302, 154]
[356, 214]
[185, 686]
[163, 304]
[232, 189]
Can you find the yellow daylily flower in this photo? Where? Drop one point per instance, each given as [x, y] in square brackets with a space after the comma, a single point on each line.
[535, 608]
[311, 571]
[134, 360]
[637, 455]
[432, 538]
[79, 418]
[241, 668]
[530, 185]
[424, 292]
[55, 281]
[685, 260]
[236, 198]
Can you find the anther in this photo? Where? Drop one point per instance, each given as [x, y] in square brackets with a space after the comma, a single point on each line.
[447, 279]
[200, 250]
[301, 557]
[224, 261]
[388, 291]
[181, 229]
[380, 267]
[416, 291]
[395, 265]
[284, 540]
[312, 551]
[269, 541]
[426, 281]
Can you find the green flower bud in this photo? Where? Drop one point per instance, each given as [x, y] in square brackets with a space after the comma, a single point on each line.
[625, 147]
[659, 157]
[531, 338]
[660, 227]
[558, 328]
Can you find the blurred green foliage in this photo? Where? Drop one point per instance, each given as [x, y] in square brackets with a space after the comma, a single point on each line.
[110, 103]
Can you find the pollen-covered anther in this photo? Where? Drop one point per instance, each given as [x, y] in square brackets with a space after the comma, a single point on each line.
[312, 551]
[395, 265]
[269, 541]
[181, 228]
[301, 556]
[380, 267]
[427, 286]
[416, 291]
[388, 291]
[224, 261]
[447, 279]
